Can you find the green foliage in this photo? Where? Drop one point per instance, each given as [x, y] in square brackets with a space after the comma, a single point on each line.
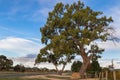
[5, 64]
[95, 51]
[70, 26]
[76, 21]
[76, 66]
[94, 68]
[47, 55]
[19, 68]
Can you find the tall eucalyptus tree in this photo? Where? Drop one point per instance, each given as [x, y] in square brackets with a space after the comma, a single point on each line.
[76, 28]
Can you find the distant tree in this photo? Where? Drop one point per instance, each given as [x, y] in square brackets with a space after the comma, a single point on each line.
[19, 68]
[44, 69]
[76, 66]
[35, 69]
[28, 69]
[5, 64]
[77, 28]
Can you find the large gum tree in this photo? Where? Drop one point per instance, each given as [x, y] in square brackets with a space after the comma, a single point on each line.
[76, 28]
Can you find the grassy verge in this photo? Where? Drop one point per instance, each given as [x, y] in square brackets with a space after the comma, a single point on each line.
[59, 77]
[21, 79]
[18, 74]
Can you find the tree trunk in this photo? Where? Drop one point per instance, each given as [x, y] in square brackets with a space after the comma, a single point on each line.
[85, 57]
[56, 68]
[84, 68]
[61, 71]
[63, 68]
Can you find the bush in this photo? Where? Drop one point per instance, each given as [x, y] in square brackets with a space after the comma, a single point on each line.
[19, 68]
[94, 68]
[76, 66]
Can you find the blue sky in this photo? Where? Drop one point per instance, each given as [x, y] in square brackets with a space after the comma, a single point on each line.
[20, 21]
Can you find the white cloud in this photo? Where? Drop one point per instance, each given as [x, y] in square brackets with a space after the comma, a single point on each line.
[114, 12]
[107, 62]
[27, 62]
[35, 39]
[19, 46]
[109, 45]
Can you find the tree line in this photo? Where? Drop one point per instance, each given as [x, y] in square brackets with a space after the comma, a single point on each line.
[7, 65]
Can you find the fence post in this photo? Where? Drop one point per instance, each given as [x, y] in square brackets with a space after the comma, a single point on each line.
[114, 75]
[106, 72]
[100, 76]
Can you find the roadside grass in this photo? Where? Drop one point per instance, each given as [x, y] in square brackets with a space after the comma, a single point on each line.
[18, 75]
[22, 79]
[59, 77]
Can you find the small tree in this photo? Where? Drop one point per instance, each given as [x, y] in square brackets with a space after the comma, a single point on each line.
[76, 66]
[94, 68]
[48, 55]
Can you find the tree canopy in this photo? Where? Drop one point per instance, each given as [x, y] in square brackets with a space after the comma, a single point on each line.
[48, 55]
[94, 68]
[19, 68]
[76, 29]
[5, 63]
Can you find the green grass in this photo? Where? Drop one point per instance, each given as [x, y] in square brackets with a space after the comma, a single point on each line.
[59, 77]
[20, 75]
[21, 79]
[17, 75]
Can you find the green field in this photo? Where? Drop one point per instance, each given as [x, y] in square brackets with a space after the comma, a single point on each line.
[31, 76]
[22, 79]
[19, 75]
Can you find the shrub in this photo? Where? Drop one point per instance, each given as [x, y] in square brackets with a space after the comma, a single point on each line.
[76, 66]
[19, 68]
